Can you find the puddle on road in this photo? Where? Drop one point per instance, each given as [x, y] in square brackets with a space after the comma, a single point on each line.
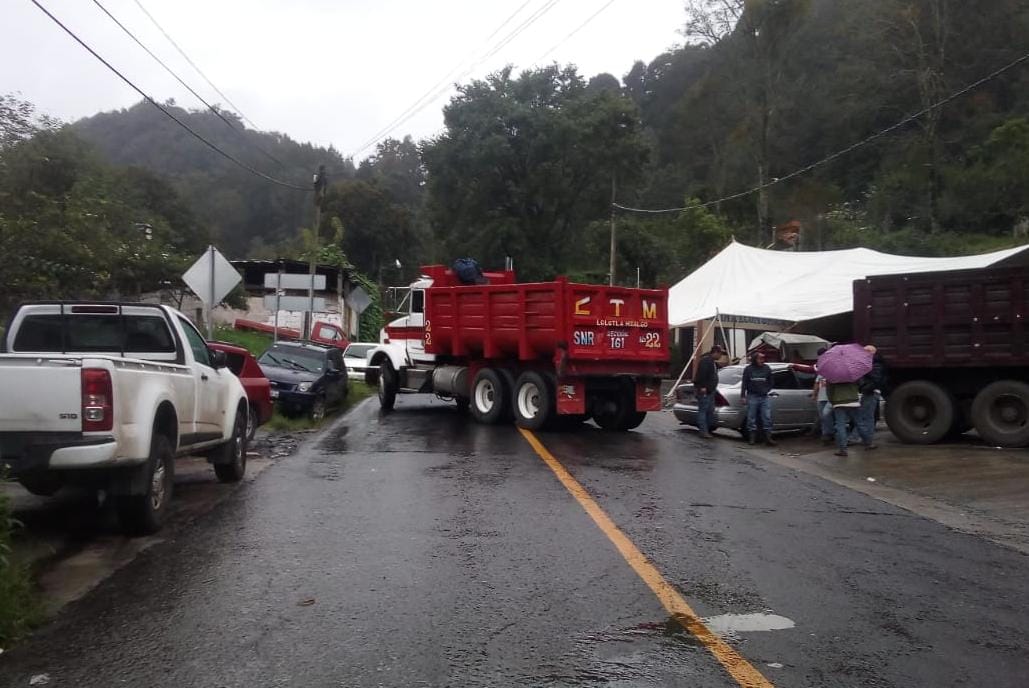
[728, 624]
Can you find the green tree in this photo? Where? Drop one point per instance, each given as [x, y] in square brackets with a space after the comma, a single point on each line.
[526, 163]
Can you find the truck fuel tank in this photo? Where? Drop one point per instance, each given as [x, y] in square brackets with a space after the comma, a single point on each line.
[451, 380]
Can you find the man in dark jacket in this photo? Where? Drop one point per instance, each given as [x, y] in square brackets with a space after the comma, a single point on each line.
[757, 384]
[705, 385]
[870, 386]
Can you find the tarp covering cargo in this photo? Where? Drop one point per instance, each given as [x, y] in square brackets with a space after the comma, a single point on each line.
[745, 283]
[790, 345]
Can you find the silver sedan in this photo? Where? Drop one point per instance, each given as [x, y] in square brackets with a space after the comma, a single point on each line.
[792, 405]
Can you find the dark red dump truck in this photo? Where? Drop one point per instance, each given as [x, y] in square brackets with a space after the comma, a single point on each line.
[957, 350]
[544, 353]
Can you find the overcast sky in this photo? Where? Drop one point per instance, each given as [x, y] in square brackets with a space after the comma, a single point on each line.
[327, 71]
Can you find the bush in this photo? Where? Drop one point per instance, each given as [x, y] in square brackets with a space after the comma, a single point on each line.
[19, 607]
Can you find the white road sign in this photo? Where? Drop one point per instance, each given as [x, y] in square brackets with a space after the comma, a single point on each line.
[358, 299]
[211, 277]
[293, 281]
[293, 303]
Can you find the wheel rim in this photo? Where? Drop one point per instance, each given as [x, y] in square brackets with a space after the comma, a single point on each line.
[318, 410]
[485, 396]
[1009, 412]
[919, 411]
[238, 440]
[157, 486]
[529, 400]
[251, 422]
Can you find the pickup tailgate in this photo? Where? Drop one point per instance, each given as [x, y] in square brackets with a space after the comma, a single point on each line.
[40, 394]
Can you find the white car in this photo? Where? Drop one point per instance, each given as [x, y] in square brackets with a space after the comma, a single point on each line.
[355, 358]
[105, 395]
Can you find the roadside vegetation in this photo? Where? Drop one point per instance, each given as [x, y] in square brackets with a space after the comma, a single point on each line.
[19, 606]
[254, 342]
[283, 423]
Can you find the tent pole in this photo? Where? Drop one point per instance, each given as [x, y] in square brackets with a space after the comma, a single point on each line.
[700, 343]
[721, 326]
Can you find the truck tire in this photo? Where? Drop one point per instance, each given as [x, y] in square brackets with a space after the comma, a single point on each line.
[230, 458]
[1000, 413]
[143, 514]
[533, 400]
[490, 396]
[387, 386]
[614, 411]
[920, 412]
[635, 419]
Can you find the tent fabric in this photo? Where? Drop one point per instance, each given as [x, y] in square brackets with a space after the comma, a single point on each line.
[746, 283]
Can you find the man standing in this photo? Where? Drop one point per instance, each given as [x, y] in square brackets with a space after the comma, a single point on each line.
[870, 386]
[846, 406]
[706, 385]
[757, 384]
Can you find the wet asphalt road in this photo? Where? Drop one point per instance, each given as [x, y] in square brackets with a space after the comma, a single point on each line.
[420, 549]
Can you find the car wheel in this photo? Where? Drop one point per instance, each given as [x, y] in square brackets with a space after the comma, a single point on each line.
[143, 514]
[253, 420]
[230, 459]
[318, 409]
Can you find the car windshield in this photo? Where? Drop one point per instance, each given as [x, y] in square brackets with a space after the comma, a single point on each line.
[358, 350]
[294, 357]
[730, 376]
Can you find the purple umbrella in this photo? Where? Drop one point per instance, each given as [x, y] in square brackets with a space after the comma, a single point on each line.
[845, 363]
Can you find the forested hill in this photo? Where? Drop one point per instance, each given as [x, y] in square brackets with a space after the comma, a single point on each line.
[761, 89]
[240, 210]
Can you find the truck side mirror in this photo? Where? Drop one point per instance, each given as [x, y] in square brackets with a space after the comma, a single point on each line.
[218, 359]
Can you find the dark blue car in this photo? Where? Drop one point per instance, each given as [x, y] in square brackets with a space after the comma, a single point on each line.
[305, 378]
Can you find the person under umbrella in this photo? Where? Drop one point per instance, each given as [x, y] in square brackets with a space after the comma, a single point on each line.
[842, 366]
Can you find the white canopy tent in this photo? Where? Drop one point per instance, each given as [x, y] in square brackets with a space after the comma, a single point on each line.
[758, 285]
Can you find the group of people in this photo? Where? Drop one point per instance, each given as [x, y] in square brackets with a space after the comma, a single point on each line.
[843, 408]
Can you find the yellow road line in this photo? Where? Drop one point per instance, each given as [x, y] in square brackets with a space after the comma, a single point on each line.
[739, 668]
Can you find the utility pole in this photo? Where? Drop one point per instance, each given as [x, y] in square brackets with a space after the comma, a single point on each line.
[611, 271]
[320, 182]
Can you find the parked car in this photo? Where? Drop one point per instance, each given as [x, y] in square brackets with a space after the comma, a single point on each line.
[792, 405]
[356, 359]
[259, 395]
[106, 395]
[305, 378]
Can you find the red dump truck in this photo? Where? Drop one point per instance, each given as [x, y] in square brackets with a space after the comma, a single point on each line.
[957, 350]
[544, 353]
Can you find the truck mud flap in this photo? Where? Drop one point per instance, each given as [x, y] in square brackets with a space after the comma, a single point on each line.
[648, 395]
[571, 397]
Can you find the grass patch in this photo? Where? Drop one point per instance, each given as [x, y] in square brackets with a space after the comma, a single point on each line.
[254, 342]
[282, 423]
[20, 609]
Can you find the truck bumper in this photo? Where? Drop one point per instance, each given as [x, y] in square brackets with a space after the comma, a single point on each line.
[30, 452]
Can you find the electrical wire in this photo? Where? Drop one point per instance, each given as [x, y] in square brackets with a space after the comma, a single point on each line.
[517, 31]
[164, 110]
[575, 31]
[194, 66]
[840, 153]
[444, 81]
[187, 86]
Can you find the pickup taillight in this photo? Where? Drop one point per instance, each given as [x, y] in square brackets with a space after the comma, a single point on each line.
[97, 400]
[720, 400]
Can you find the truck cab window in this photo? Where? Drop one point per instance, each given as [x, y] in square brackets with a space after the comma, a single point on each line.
[418, 301]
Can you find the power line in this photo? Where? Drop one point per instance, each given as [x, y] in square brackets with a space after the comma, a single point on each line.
[445, 80]
[164, 110]
[187, 86]
[575, 31]
[840, 153]
[194, 66]
[517, 31]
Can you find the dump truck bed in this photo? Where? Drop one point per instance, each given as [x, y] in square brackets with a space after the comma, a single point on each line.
[591, 327]
[952, 319]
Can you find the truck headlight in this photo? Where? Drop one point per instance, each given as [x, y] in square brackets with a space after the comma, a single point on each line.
[304, 387]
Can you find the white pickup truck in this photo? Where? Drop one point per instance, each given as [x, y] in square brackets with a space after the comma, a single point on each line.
[105, 395]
